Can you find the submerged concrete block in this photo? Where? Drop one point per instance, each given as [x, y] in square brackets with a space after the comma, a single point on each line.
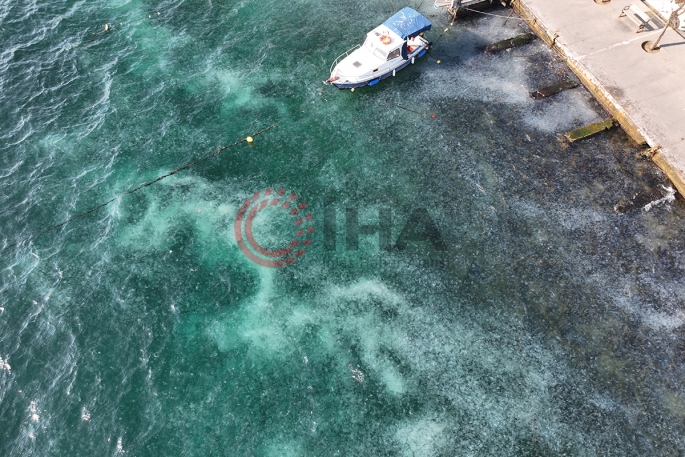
[518, 40]
[554, 89]
[589, 130]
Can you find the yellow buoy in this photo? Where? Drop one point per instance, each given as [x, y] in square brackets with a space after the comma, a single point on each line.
[249, 139]
[352, 90]
[438, 62]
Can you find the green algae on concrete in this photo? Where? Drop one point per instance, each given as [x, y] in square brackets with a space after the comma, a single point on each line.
[518, 40]
[589, 130]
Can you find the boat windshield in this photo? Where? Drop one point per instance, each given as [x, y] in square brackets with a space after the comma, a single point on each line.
[395, 53]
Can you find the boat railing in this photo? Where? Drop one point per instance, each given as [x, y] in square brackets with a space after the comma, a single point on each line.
[342, 56]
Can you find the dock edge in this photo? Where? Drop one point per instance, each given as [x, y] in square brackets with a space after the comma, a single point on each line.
[633, 130]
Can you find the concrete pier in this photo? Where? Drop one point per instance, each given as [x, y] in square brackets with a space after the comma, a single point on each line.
[644, 92]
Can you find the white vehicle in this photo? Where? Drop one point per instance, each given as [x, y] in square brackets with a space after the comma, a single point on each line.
[665, 8]
[388, 48]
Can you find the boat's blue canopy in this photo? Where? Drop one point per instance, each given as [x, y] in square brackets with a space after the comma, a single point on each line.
[407, 23]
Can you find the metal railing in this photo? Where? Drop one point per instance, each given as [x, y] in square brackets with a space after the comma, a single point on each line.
[342, 56]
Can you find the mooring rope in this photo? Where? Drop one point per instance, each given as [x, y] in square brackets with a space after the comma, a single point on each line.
[496, 15]
[149, 183]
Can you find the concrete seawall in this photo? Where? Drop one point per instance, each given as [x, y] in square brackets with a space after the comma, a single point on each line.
[644, 92]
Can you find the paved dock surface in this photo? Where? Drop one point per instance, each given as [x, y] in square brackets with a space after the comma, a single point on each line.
[645, 92]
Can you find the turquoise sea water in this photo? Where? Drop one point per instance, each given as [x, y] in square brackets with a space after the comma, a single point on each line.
[549, 326]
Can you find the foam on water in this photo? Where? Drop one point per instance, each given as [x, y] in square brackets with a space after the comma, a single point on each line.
[423, 437]
[210, 217]
[549, 325]
[5, 366]
[447, 361]
[506, 79]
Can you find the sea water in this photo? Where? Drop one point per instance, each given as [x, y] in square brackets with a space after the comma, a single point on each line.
[524, 316]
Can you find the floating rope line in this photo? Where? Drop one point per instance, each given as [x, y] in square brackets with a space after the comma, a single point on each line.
[394, 105]
[185, 167]
[110, 26]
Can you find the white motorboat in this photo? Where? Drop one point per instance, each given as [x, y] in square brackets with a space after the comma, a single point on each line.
[388, 48]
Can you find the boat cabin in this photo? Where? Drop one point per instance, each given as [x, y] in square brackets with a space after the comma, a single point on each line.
[385, 44]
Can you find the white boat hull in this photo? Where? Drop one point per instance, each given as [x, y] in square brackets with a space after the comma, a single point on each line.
[388, 48]
[373, 79]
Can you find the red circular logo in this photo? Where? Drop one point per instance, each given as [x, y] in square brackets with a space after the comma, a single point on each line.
[273, 201]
